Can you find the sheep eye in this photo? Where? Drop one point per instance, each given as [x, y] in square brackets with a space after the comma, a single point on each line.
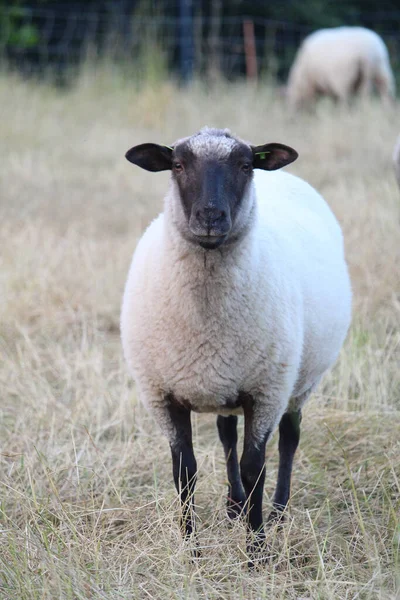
[246, 167]
[178, 166]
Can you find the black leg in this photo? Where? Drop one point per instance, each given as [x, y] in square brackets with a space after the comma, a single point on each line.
[252, 468]
[183, 462]
[227, 429]
[289, 435]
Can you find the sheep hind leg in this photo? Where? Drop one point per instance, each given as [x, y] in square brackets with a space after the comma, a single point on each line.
[364, 86]
[386, 88]
[183, 462]
[227, 430]
[289, 436]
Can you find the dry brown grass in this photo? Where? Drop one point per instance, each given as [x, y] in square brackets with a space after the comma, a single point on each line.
[87, 504]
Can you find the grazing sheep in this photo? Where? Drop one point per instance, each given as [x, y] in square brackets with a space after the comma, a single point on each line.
[396, 160]
[339, 62]
[237, 302]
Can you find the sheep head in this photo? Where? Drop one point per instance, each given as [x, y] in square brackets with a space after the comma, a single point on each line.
[212, 173]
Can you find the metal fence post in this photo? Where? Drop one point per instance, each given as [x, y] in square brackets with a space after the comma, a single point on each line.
[186, 39]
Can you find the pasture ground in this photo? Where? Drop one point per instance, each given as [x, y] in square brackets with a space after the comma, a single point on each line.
[87, 503]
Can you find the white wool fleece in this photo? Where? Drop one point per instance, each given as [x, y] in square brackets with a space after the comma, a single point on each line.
[337, 62]
[266, 316]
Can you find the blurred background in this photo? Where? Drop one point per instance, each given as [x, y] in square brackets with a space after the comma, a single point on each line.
[179, 38]
[87, 504]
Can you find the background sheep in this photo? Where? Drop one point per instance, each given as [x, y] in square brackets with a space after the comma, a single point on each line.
[237, 301]
[396, 160]
[339, 62]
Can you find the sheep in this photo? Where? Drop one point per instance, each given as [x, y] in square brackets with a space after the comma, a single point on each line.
[396, 160]
[237, 301]
[339, 62]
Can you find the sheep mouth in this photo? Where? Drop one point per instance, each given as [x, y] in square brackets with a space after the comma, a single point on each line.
[210, 242]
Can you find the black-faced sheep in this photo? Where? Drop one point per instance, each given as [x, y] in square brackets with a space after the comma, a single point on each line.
[237, 302]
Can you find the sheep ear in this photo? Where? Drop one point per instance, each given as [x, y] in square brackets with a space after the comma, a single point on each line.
[151, 157]
[272, 156]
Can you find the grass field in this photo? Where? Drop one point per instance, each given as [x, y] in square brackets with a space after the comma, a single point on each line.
[87, 503]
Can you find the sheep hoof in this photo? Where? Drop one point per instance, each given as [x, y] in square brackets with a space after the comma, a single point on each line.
[195, 553]
[276, 518]
[235, 509]
[258, 551]
[192, 547]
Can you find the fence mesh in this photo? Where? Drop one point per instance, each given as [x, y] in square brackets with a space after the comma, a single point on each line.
[37, 37]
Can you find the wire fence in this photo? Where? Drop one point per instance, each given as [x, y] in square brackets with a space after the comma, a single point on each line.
[34, 39]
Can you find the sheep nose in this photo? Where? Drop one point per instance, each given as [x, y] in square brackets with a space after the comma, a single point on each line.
[211, 216]
[210, 221]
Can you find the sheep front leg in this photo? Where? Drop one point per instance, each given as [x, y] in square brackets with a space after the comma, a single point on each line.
[227, 429]
[252, 467]
[289, 436]
[183, 460]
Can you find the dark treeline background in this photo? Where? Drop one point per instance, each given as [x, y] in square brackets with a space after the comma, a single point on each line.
[186, 37]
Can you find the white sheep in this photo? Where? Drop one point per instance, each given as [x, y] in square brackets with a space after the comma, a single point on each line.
[339, 62]
[396, 160]
[237, 302]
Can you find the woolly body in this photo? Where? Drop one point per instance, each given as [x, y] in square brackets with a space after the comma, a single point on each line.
[338, 62]
[266, 316]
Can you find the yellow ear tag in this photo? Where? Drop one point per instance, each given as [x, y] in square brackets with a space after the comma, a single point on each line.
[169, 148]
[262, 155]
